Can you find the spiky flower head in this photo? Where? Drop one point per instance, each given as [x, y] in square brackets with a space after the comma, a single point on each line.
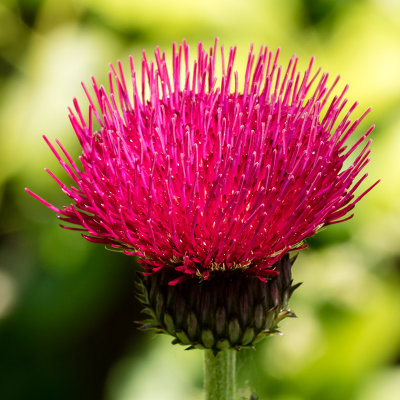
[200, 173]
[192, 172]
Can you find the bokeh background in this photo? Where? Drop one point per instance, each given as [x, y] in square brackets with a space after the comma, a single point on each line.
[67, 306]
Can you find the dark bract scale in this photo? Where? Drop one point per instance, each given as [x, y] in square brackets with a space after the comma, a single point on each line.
[229, 310]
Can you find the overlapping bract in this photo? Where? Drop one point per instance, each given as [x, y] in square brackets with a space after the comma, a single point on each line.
[192, 172]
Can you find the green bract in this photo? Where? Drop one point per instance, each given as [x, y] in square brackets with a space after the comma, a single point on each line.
[229, 310]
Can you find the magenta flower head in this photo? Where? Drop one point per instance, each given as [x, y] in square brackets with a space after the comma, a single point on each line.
[212, 179]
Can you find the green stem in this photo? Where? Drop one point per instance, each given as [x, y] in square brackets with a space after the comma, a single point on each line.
[220, 375]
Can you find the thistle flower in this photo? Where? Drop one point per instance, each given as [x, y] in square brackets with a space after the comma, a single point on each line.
[202, 179]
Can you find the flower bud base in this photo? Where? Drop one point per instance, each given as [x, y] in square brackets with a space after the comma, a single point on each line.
[228, 310]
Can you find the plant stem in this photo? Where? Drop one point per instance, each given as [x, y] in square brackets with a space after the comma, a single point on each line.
[220, 375]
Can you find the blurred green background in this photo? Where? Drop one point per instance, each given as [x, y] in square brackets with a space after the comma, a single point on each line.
[67, 306]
